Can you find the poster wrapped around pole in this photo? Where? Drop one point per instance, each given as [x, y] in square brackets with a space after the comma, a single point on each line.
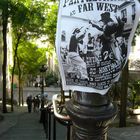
[93, 41]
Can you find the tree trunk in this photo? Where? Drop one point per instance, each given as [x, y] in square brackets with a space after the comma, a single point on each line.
[14, 64]
[22, 95]
[4, 67]
[124, 87]
[19, 79]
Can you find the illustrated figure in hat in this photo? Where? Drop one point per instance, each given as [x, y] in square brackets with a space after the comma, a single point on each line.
[76, 63]
[111, 30]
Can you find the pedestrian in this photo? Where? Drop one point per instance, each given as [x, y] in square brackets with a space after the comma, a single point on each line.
[29, 103]
[36, 103]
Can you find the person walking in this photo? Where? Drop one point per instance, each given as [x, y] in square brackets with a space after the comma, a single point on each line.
[29, 103]
[36, 103]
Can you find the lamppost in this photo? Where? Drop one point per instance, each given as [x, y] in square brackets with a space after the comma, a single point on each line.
[42, 70]
[91, 115]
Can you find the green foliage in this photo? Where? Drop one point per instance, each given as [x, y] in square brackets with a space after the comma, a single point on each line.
[135, 86]
[31, 58]
[28, 17]
[3, 4]
[50, 25]
[29, 20]
[51, 79]
[134, 93]
[18, 13]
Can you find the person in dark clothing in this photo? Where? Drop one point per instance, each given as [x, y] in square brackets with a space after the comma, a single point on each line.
[29, 103]
[36, 103]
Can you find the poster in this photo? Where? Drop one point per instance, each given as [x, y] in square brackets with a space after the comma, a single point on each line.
[93, 42]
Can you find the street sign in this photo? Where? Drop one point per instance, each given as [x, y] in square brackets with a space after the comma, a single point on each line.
[93, 42]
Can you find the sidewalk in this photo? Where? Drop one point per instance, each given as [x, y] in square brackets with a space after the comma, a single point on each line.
[127, 133]
[10, 119]
[21, 125]
[131, 132]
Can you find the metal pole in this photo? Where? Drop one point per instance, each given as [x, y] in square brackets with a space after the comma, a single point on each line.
[91, 115]
[49, 138]
[68, 130]
[42, 70]
[54, 128]
[42, 91]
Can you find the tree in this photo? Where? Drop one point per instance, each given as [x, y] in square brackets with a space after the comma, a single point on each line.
[124, 88]
[51, 23]
[5, 13]
[30, 59]
[27, 19]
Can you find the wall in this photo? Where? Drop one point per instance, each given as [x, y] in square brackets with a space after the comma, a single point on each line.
[35, 91]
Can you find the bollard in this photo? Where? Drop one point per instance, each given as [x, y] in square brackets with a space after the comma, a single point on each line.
[91, 115]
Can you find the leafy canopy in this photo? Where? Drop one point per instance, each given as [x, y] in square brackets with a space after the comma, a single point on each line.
[31, 58]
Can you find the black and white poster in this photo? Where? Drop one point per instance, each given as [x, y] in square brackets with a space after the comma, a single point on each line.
[93, 42]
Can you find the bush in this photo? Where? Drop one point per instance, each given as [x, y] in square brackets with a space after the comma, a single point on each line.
[8, 101]
[134, 94]
[51, 79]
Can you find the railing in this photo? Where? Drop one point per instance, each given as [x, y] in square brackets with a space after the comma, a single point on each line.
[55, 111]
